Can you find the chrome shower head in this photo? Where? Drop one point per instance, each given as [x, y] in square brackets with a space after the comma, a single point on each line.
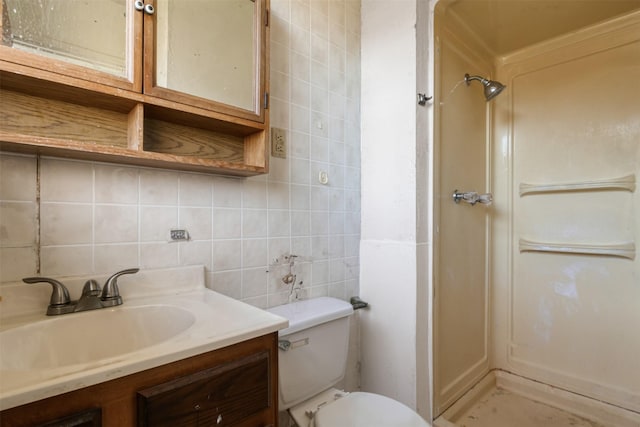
[492, 88]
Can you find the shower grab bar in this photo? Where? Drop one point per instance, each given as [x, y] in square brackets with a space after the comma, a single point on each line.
[472, 197]
[625, 183]
[622, 250]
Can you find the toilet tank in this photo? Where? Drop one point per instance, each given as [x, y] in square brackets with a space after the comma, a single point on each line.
[313, 349]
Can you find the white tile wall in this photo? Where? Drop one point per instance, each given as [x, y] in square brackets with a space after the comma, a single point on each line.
[65, 217]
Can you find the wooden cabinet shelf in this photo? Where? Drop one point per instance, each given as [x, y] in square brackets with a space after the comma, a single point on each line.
[52, 107]
[50, 118]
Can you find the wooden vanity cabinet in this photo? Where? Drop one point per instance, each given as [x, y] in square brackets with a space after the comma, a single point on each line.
[61, 106]
[235, 386]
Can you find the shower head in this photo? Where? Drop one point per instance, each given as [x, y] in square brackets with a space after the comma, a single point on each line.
[491, 87]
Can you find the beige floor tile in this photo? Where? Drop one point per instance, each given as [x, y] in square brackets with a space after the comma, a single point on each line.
[501, 408]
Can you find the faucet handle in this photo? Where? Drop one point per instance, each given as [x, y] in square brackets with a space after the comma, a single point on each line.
[59, 296]
[110, 292]
[473, 197]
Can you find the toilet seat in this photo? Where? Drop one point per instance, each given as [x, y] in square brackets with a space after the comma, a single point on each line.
[362, 409]
[334, 408]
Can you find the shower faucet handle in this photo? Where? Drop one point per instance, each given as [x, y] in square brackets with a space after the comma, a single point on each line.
[472, 197]
[485, 199]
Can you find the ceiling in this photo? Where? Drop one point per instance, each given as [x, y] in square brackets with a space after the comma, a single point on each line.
[508, 25]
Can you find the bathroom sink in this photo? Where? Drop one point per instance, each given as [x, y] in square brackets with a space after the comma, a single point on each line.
[90, 337]
[168, 315]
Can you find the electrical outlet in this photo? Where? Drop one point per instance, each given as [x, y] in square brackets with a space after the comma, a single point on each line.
[179, 235]
[278, 143]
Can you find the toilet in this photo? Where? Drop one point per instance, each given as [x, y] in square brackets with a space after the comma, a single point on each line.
[312, 360]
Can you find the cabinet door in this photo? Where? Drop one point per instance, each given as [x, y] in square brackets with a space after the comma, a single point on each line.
[208, 53]
[233, 394]
[98, 41]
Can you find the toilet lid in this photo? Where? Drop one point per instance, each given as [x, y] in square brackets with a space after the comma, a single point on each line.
[361, 409]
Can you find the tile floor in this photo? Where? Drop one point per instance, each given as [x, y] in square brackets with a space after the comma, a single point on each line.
[501, 408]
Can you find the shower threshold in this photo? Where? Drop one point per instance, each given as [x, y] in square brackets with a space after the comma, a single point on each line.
[502, 399]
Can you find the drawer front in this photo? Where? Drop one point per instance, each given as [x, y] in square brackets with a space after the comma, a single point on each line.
[88, 418]
[219, 396]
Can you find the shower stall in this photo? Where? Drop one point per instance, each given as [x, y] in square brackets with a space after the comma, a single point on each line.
[536, 311]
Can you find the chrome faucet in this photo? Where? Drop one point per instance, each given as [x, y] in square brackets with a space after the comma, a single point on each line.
[110, 292]
[60, 302]
[92, 296]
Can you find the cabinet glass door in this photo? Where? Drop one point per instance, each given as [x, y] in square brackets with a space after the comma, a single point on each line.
[209, 50]
[85, 35]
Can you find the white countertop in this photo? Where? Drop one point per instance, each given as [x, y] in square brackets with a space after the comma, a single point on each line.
[220, 321]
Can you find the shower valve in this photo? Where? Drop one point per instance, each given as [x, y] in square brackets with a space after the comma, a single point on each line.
[472, 197]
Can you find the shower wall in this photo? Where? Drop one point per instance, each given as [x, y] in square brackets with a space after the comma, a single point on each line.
[566, 278]
[461, 298]
[545, 283]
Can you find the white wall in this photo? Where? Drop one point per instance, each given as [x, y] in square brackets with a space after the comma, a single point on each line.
[393, 233]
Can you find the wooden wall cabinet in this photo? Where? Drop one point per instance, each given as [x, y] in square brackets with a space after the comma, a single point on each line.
[235, 386]
[130, 113]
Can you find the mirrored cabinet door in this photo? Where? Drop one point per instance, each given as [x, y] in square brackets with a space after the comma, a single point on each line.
[208, 53]
[89, 39]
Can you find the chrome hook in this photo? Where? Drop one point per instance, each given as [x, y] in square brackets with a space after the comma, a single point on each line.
[423, 98]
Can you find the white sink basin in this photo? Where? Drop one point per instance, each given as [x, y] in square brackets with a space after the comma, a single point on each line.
[167, 315]
[90, 336]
